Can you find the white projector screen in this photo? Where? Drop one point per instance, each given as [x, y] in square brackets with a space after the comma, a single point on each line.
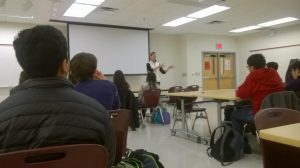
[115, 48]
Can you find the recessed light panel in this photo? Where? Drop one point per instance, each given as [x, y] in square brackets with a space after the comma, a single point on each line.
[208, 11]
[245, 29]
[179, 21]
[79, 10]
[278, 21]
[90, 2]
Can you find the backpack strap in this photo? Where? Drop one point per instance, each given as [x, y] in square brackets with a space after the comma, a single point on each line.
[227, 130]
[212, 139]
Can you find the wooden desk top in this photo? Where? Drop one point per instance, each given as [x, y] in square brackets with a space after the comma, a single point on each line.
[288, 134]
[221, 94]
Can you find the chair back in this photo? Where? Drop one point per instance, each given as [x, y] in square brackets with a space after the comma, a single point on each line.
[79, 156]
[283, 99]
[274, 117]
[173, 99]
[188, 100]
[151, 98]
[120, 120]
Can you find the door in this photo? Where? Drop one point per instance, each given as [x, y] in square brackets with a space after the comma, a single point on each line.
[209, 63]
[218, 71]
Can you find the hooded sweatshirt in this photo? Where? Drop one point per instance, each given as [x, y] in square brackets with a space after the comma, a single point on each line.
[258, 84]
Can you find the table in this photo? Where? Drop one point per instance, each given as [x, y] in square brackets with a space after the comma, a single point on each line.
[281, 146]
[218, 96]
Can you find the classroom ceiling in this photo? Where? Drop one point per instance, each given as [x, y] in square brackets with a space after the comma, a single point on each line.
[154, 13]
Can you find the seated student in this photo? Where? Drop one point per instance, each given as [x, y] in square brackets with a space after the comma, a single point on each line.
[151, 83]
[45, 110]
[288, 74]
[294, 85]
[92, 82]
[273, 65]
[259, 83]
[127, 98]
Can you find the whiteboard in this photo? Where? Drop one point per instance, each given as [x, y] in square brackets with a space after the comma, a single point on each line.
[282, 56]
[115, 48]
[10, 68]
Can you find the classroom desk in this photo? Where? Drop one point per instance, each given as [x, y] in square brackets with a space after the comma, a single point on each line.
[219, 96]
[281, 146]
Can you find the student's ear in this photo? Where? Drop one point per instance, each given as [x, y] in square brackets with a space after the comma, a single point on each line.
[64, 68]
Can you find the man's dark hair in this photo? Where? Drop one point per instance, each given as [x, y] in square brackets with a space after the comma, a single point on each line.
[257, 61]
[83, 66]
[295, 65]
[273, 65]
[40, 51]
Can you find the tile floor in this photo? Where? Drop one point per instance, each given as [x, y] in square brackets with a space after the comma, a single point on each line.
[178, 152]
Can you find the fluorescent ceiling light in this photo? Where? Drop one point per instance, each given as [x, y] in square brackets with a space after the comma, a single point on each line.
[90, 2]
[15, 16]
[179, 21]
[278, 21]
[245, 29]
[79, 10]
[208, 11]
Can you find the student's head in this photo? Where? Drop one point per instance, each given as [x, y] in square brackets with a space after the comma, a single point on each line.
[256, 61]
[42, 52]
[295, 69]
[83, 66]
[273, 65]
[153, 56]
[151, 79]
[120, 81]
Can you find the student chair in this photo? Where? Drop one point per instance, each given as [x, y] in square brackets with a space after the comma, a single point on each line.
[190, 106]
[173, 99]
[283, 99]
[275, 117]
[120, 119]
[79, 156]
[151, 101]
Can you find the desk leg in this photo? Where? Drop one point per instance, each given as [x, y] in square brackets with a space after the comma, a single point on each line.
[219, 111]
[184, 128]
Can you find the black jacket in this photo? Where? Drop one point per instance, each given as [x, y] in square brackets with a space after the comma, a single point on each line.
[129, 101]
[47, 111]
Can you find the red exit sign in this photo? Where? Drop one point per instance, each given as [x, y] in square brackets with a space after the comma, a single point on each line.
[219, 46]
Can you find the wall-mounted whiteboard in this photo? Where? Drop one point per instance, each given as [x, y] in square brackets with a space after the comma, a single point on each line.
[9, 67]
[282, 56]
[115, 48]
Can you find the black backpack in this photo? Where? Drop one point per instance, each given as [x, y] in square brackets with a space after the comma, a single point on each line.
[229, 146]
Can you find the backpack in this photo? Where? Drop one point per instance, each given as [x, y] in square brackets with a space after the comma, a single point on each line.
[161, 116]
[140, 159]
[228, 147]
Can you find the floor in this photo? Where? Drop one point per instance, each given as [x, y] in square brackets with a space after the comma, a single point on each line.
[179, 152]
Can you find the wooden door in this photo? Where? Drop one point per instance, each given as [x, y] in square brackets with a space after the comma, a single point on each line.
[210, 71]
[226, 71]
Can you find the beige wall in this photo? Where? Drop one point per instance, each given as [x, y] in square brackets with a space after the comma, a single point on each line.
[269, 39]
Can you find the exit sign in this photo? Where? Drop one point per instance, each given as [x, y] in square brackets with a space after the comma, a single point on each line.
[219, 46]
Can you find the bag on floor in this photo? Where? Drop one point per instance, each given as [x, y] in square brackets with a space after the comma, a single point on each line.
[161, 116]
[228, 147]
[140, 159]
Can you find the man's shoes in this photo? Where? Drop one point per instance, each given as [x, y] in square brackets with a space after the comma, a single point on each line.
[247, 149]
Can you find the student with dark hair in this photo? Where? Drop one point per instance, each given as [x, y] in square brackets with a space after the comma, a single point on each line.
[46, 110]
[127, 98]
[259, 83]
[288, 74]
[91, 82]
[294, 85]
[155, 67]
[151, 83]
[273, 65]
